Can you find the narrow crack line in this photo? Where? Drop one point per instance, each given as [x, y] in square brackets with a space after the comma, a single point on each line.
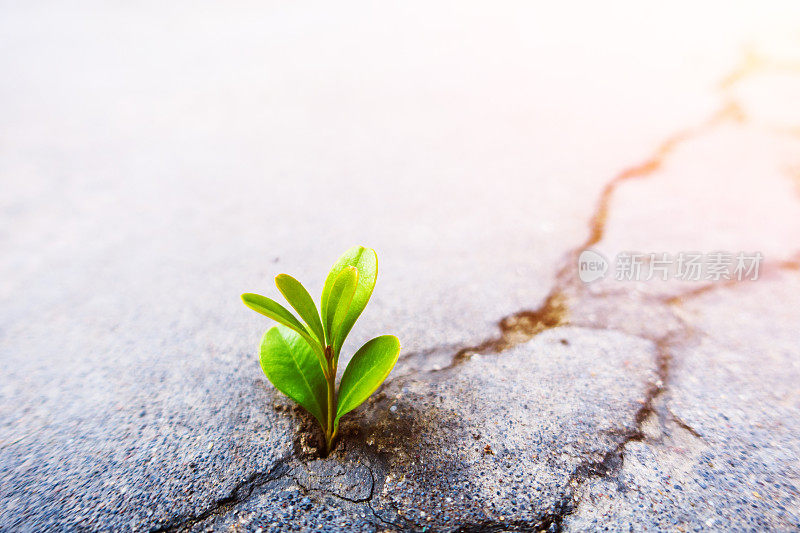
[523, 325]
[753, 63]
[539, 523]
[375, 513]
[404, 523]
[684, 426]
[748, 65]
[379, 517]
[244, 490]
[792, 263]
[767, 268]
[307, 489]
[650, 166]
[240, 493]
[336, 494]
[516, 329]
[612, 461]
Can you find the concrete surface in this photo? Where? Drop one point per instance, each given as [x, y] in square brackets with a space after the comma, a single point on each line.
[720, 449]
[157, 161]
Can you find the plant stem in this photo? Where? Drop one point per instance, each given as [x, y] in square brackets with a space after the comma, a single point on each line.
[330, 433]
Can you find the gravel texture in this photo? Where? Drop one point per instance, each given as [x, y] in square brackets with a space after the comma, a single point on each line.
[157, 161]
[720, 450]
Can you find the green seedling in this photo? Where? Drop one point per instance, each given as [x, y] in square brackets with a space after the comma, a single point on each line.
[301, 358]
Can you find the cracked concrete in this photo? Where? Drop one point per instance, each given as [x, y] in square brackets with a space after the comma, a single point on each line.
[476, 446]
[721, 451]
[152, 182]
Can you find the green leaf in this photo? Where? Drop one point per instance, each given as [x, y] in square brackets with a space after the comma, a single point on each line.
[290, 364]
[366, 262]
[272, 309]
[349, 279]
[339, 299]
[366, 371]
[298, 297]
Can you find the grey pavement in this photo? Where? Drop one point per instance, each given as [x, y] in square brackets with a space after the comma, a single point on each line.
[158, 160]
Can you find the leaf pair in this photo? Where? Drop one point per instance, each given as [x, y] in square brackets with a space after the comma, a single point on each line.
[290, 365]
[347, 290]
[301, 358]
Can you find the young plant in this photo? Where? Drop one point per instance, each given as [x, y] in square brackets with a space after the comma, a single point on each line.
[300, 358]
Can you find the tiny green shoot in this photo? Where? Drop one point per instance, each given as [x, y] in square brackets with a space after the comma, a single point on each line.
[301, 357]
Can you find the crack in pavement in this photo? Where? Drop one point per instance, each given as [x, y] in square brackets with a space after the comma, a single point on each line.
[335, 494]
[613, 460]
[684, 426]
[241, 492]
[523, 325]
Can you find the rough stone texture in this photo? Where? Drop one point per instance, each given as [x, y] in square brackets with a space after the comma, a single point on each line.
[721, 450]
[475, 446]
[157, 161]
